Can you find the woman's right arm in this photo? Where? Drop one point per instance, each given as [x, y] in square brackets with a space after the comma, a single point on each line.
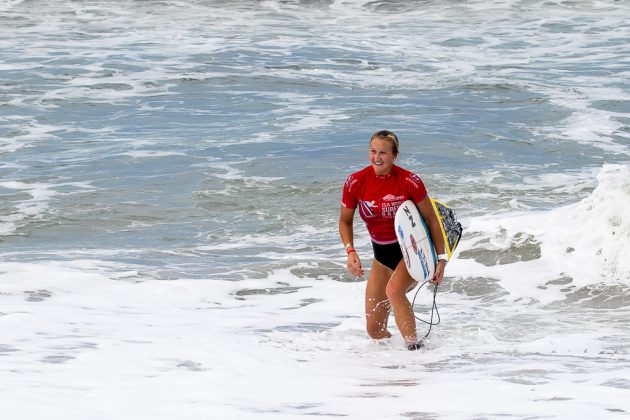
[346, 219]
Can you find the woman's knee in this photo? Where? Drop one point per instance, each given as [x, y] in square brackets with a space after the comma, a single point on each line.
[399, 284]
[377, 329]
[395, 291]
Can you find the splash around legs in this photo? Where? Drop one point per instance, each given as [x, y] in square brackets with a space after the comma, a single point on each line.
[377, 307]
[386, 290]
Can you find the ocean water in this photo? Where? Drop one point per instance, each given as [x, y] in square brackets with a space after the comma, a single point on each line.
[170, 178]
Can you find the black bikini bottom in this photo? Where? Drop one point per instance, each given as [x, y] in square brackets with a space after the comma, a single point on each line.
[389, 255]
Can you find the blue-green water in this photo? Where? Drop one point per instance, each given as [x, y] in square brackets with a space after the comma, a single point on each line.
[209, 140]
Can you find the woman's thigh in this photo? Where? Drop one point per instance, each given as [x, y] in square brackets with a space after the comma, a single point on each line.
[376, 303]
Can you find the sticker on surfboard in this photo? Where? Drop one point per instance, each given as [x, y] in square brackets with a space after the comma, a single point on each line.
[415, 240]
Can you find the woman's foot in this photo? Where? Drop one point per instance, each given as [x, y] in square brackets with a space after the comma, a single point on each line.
[416, 346]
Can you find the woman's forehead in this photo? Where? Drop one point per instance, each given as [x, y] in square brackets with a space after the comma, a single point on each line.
[377, 143]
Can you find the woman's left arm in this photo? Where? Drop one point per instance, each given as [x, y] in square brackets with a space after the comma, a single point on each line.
[431, 219]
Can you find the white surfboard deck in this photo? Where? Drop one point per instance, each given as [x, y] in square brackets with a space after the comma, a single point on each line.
[415, 242]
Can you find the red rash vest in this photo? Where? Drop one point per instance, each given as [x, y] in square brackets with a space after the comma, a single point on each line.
[379, 196]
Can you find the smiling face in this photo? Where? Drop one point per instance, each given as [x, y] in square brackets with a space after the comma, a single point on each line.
[382, 155]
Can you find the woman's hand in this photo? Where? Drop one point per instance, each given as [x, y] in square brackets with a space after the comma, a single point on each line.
[439, 272]
[354, 264]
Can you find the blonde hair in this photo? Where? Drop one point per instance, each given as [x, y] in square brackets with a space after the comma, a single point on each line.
[390, 136]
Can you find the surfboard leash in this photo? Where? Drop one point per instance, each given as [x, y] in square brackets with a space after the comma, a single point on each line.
[434, 309]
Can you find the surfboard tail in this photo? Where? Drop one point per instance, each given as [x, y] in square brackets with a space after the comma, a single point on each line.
[449, 226]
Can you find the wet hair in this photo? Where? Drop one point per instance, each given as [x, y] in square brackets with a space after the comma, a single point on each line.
[390, 136]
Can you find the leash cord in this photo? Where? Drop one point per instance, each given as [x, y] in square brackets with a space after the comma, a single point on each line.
[434, 309]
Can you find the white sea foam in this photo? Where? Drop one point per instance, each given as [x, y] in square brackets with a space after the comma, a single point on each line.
[37, 203]
[229, 172]
[8, 4]
[30, 208]
[26, 131]
[140, 154]
[311, 119]
[594, 127]
[291, 346]
[587, 241]
[591, 239]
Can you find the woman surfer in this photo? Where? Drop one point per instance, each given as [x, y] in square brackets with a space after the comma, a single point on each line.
[378, 190]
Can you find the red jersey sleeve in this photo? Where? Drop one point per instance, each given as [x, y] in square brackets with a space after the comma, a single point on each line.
[417, 190]
[349, 195]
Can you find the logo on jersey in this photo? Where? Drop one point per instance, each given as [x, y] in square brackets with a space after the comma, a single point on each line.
[367, 208]
[350, 181]
[414, 180]
[392, 197]
[390, 205]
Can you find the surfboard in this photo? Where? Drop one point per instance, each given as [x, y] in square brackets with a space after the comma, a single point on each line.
[415, 242]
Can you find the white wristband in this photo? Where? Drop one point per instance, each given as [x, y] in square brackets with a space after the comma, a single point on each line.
[443, 257]
[349, 245]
